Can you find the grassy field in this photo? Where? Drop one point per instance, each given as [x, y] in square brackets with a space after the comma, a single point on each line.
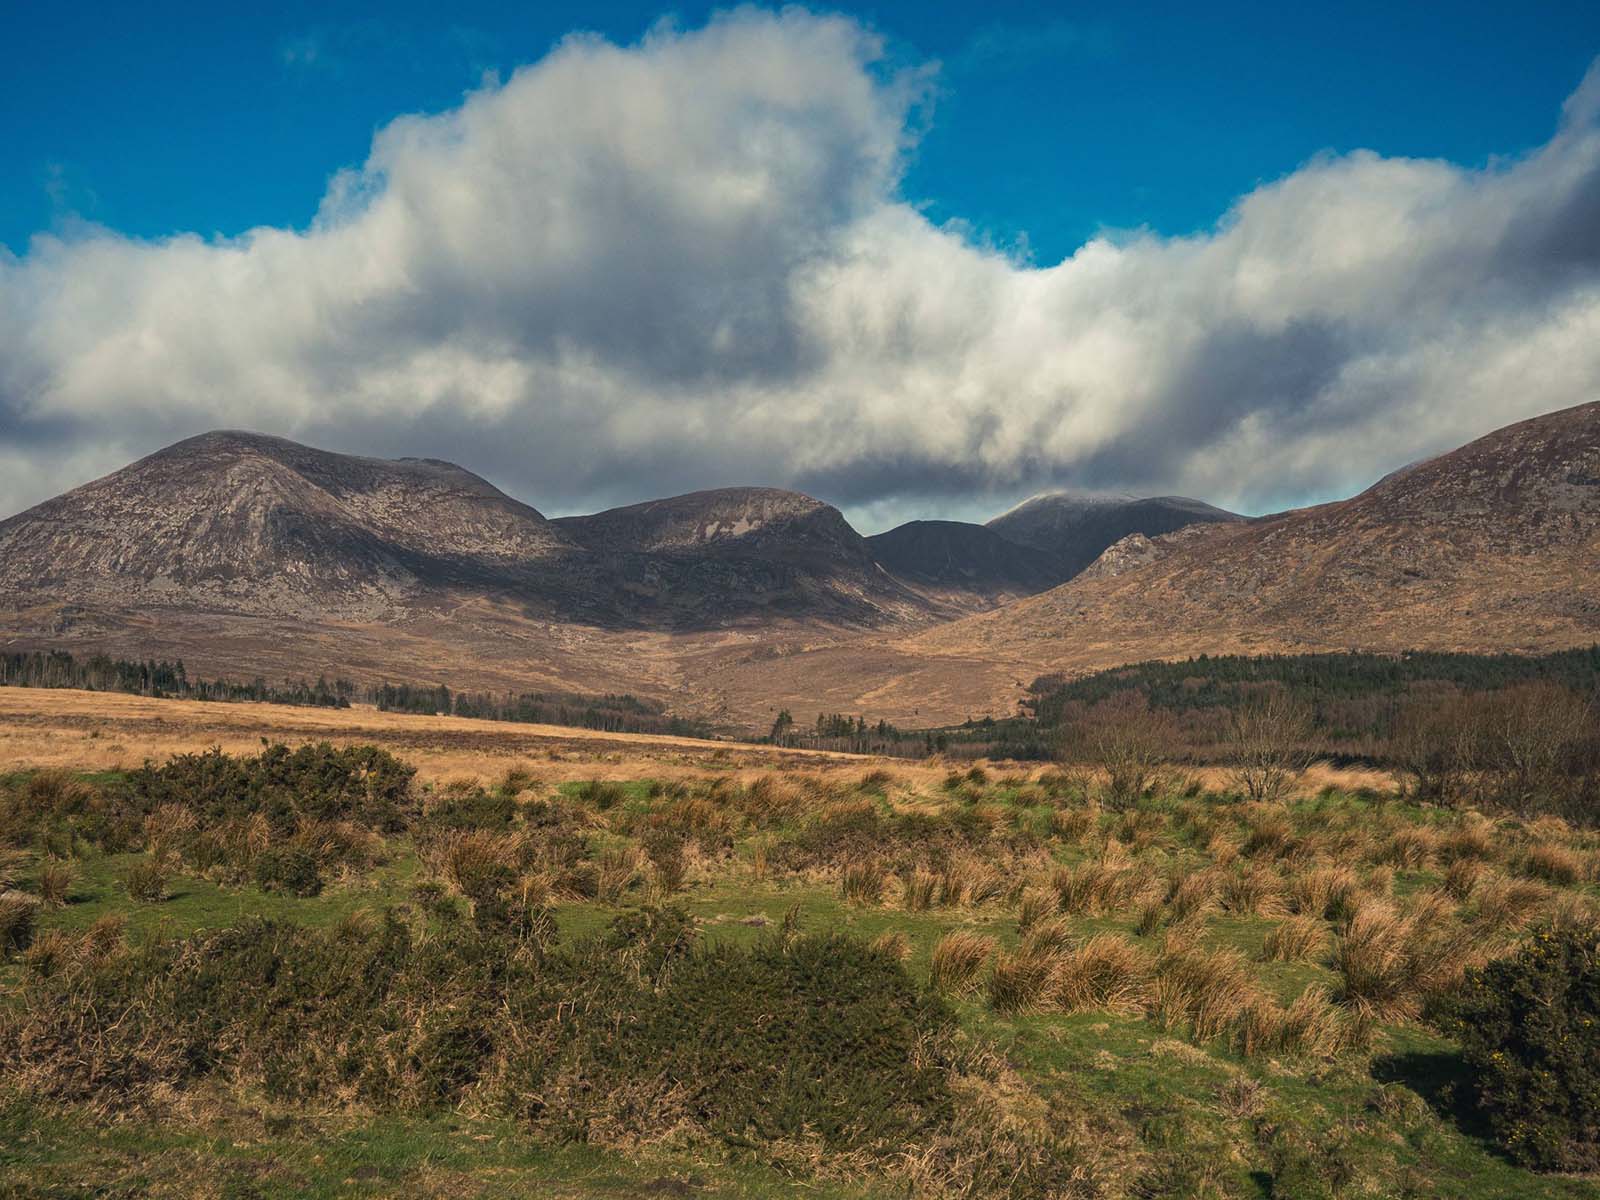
[1193, 996]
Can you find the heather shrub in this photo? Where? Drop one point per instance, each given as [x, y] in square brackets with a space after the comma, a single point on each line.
[1529, 1026]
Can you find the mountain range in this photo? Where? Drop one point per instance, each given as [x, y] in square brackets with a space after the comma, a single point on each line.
[249, 554]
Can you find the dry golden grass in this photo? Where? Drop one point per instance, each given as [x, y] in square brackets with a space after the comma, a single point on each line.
[1295, 939]
[918, 890]
[1391, 965]
[95, 731]
[1309, 1026]
[1018, 982]
[1556, 863]
[1461, 878]
[958, 959]
[1254, 891]
[862, 882]
[1035, 905]
[1326, 892]
[1503, 903]
[1204, 991]
[1096, 888]
[893, 944]
[1106, 972]
[54, 882]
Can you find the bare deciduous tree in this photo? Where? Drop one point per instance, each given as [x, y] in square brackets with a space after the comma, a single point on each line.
[1127, 738]
[1268, 745]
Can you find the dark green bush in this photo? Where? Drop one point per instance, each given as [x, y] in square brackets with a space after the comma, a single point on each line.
[364, 784]
[1529, 1026]
[472, 808]
[290, 870]
[623, 1033]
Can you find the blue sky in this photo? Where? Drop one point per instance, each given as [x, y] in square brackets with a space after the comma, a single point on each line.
[156, 118]
[915, 260]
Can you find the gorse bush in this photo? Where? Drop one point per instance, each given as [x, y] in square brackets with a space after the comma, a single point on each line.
[621, 1035]
[290, 870]
[1529, 1027]
[324, 782]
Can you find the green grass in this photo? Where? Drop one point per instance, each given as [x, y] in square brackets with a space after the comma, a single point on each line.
[1168, 1117]
[241, 1155]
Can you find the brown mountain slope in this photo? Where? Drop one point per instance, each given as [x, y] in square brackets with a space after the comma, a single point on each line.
[1492, 546]
[242, 522]
[244, 554]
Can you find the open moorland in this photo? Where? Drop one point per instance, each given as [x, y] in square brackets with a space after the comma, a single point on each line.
[348, 953]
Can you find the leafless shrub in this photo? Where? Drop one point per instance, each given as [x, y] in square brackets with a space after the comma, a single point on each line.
[1128, 739]
[1266, 745]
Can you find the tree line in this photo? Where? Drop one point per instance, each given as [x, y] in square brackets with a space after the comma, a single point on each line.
[160, 678]
[613, 712]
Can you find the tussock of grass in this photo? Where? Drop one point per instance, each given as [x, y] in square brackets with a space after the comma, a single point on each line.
[54, 882]
[1106, 972]
[1018, 983]
[1202, 991]
[19, 919]
[1295, 939]
[1096, 888]
[1555, 863]
[958, 960]
[1326, 892]
[1253, 891]
[1391, 966]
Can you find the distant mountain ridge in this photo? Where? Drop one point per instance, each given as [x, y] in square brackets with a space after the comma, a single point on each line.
[1493, 546]
[1077, 528]
[954, 558]
[246, 555]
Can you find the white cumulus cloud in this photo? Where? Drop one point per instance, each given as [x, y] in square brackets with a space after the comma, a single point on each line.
[627, 271]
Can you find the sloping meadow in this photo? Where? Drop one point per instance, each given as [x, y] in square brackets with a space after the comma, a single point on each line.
[985, 985]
